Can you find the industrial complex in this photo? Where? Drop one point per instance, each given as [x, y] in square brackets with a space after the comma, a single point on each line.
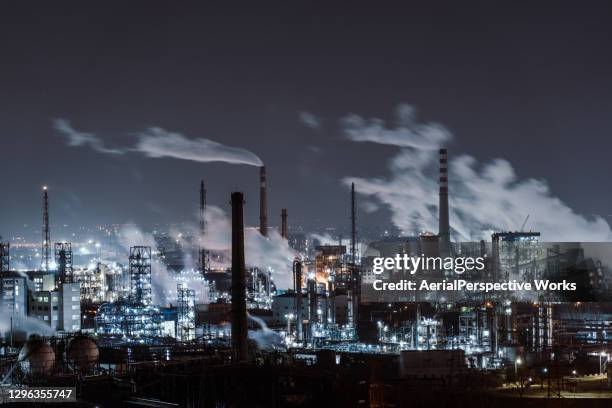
[225, 334]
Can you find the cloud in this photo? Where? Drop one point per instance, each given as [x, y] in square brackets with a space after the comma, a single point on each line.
[77, 138]
[157, 142]
[310, 120]
[407, 132]
[271, 253]
[483, 197]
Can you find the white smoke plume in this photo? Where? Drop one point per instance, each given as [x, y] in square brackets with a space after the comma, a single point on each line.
[272, 253]
[22, 325]
[482, 197]
[77, 138]
[156, 142]
[265, 338]
[324, 239]
[310, 120]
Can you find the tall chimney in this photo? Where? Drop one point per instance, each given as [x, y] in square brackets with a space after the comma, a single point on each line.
[263, 202]
[354, 291]
[239, 316]
[444, 227]
[313, 317]
[353, 228]
[201, 250]
[297, 286]
[284, 232]
[46, 234]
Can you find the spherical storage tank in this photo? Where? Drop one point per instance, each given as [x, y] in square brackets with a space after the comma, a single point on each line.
[36, 357]
[82, 353]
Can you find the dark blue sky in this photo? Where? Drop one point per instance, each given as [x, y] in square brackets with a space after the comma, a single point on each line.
[530, 83]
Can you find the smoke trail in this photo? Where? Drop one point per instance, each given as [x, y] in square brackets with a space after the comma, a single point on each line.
[23, 324]
[156, 142]
[310, 120]
[272, 253]
[264, 338]
[76, 138]
[483, 197]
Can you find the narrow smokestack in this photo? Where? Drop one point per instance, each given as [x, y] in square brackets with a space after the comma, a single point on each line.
[444, 227]
[239, 316]
[263, 202]
[353, 228]
[202, 258]
[46, 233]
[313, 318]
[284, 232]
[354, 292]
[297, 286]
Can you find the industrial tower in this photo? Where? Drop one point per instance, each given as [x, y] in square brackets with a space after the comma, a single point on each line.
[63, 260]
[46, 234]
[263, 202]
[4, 256]
[140, 275]
[202, 252]
[443, 218]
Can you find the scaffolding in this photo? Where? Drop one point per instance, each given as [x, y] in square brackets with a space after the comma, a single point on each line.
[515, 255]
[4, 256]
[63, 260]
[186, 313]
[124, 319]
[140, 275]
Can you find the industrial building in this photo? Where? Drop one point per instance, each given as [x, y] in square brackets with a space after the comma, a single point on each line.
[324, 341]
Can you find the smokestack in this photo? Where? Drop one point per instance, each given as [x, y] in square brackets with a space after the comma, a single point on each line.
[201, 250]
[312, 307]
[46, 234]
[263, 202]
[353, 293]
[444, 227]
[297, 286]
[239, 316]
[284, 232]
[353, 229]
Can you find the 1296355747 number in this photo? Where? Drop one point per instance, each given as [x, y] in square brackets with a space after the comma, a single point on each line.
[38, 394]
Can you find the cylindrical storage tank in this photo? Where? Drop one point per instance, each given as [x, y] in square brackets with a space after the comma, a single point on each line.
[36, 358]
[82, 353]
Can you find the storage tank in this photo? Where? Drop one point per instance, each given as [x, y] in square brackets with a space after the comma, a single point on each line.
[82, 353]
[36, 357]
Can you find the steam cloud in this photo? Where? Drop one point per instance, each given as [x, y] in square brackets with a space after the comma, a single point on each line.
[163, 282]
[77, 138]
[310, 120]
[156, 142]
[272, 252]
[483, 197]
[26, 324]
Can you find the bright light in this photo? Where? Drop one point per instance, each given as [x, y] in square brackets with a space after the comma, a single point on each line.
[519, 361]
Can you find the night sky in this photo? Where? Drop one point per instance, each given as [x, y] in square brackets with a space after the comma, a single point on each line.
[530, 83]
